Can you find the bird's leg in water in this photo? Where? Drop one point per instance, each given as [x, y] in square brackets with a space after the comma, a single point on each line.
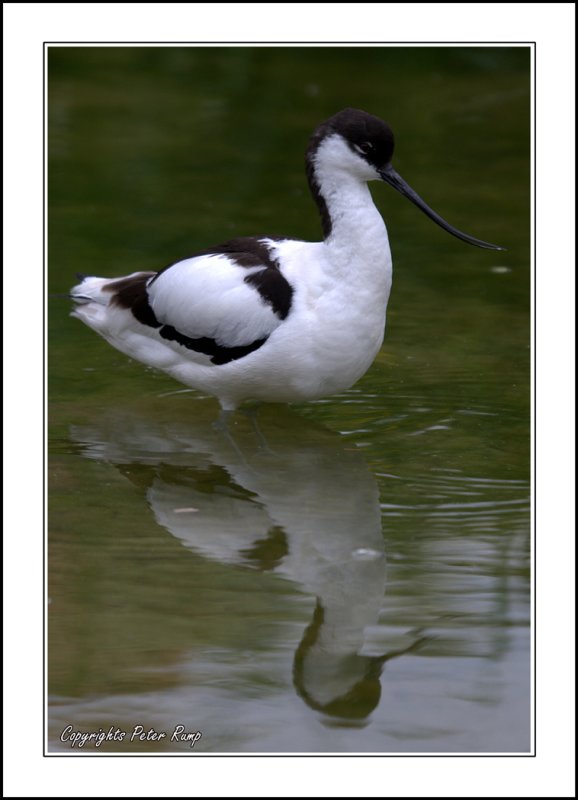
[251, 413]
[223, 425]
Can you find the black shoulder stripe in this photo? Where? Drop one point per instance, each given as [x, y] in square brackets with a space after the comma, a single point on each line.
[274, 289]
[245, 251]
[218, 353]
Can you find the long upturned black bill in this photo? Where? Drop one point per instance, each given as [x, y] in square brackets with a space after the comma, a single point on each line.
[389, 175]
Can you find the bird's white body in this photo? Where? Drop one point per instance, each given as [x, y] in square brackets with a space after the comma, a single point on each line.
[267, 318]
[326, 343]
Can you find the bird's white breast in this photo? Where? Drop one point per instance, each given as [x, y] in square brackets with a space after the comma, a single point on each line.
[337, 322]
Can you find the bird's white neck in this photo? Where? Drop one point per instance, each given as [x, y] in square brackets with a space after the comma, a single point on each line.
[354, 230]
[354, 217]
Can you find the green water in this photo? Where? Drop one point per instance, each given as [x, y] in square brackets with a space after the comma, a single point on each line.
[349, 575]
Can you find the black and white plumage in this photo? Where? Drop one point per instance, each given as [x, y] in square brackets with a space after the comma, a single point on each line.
[269, 318]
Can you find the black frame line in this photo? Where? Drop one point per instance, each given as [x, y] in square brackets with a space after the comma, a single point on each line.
[533, 338]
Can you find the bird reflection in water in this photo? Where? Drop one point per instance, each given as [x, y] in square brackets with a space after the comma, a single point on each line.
[342, 684]
[295, 499]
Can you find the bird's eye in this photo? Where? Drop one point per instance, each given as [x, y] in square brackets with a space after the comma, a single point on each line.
[364, 148]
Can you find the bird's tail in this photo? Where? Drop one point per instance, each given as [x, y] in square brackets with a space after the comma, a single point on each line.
[96, 300]
[90, 290]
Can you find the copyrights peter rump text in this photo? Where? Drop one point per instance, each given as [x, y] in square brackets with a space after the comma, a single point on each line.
[80, 739]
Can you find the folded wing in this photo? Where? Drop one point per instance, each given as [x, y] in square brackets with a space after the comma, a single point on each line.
[221, 304]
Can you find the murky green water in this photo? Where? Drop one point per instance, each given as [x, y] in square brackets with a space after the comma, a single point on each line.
[351, 575]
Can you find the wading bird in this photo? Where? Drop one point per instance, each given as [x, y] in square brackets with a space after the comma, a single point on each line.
[272, 318]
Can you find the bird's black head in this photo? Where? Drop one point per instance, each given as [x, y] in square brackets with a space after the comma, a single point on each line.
[371, 140]
[368, 136]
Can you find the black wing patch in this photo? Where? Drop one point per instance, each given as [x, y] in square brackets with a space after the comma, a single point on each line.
[131, 293]
[218, 353]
